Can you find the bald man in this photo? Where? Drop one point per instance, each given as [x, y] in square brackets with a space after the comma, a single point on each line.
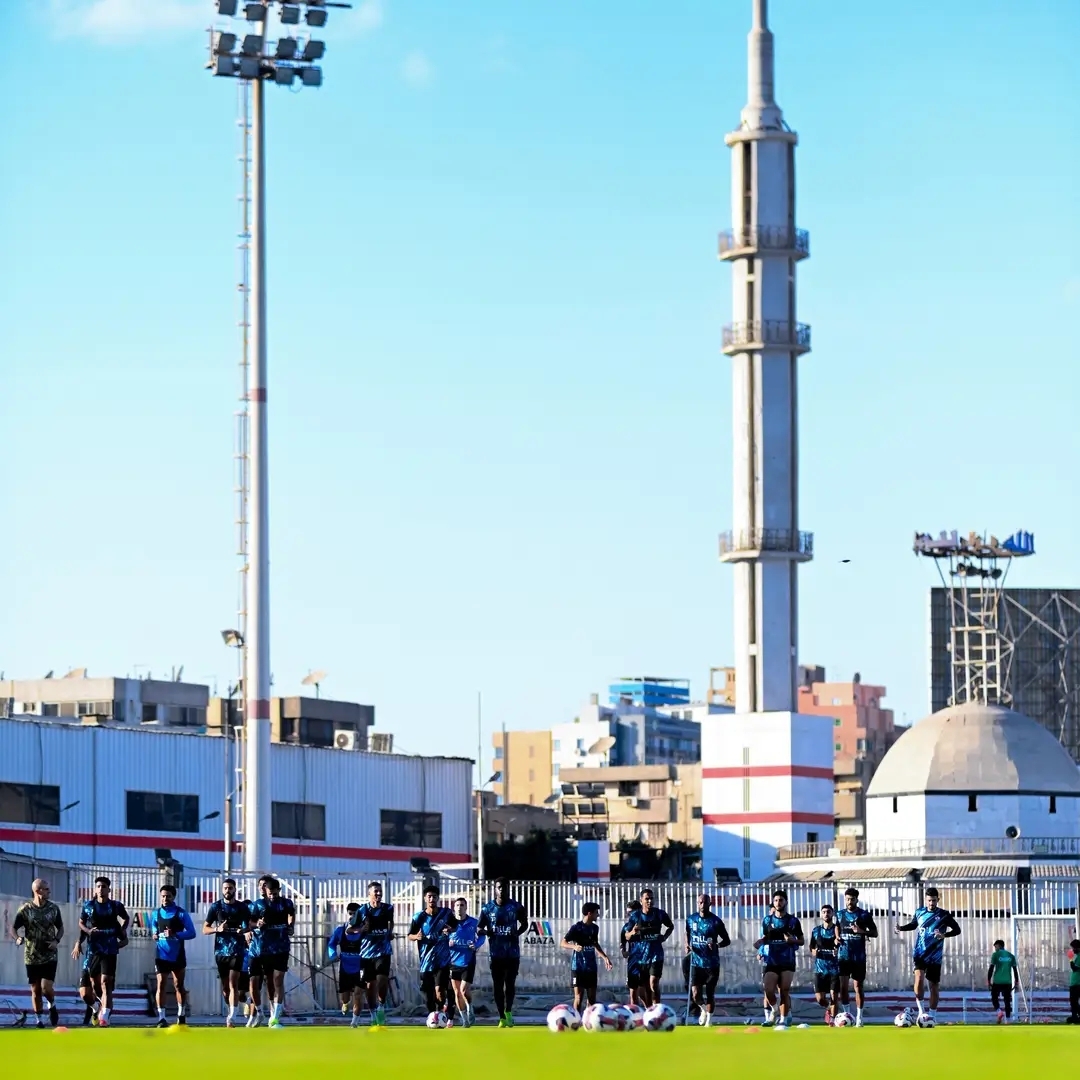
[38, 923]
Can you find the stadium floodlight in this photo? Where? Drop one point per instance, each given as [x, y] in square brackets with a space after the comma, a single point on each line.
[286, 48]
[314, 50]
[290, 14]
[225, 65]
[226, 7]
[224, 43]
[254, 12]
[253, 45]
[249, 67]
[316, 16]
[284, 76]
[311, 76]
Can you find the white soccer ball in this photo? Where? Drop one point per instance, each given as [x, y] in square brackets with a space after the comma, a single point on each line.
[592, 1018]
[622, 1017]
[925, 1021]
[563, 1018]
[436, 1020]
[637, 1014]
[660, 1018]
[844, 1019]
[902, 1020]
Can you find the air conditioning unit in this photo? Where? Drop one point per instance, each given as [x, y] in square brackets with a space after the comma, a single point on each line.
[346, 740]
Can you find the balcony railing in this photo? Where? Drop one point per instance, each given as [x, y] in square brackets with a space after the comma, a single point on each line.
[736, 243]
[850, 846]
[760, 333]
[750, 540]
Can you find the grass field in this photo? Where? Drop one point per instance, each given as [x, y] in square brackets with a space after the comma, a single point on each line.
[535, 1052]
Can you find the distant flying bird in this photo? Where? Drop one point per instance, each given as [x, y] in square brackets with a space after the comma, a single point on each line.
[845, 560]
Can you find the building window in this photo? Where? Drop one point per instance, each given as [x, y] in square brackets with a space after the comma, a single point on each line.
[410, 829]
[532, 775]
[895, 804]
[298, 821]
[555, 745]
[1053, 804]
[30, 804]
[860, 744]
[838, 747]
[149, 713]
[836, 701]
[47, 708]
[837, 722]
[498, 753]
[658, 788]
[811, 837]
[155, 811]
[627, 789]
[581, 746]
[532, 751]
[973, 803]
[555, 769]
[695, 813]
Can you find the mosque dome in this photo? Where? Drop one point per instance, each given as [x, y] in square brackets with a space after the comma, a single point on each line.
[976, 748]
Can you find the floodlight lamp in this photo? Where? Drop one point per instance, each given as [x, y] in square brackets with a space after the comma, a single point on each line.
[226, 7]
[249, 67]
[225, 65]
[224, 43]
[290, 14]
[254, 11]
[316, 16]
[284, 76]
[311, 76]
[286, 48]
[314, 50]
[253, 45]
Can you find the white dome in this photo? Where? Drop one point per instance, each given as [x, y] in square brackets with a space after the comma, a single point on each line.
[973, 749]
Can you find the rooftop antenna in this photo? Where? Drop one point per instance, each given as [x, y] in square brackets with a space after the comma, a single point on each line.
[314, 678]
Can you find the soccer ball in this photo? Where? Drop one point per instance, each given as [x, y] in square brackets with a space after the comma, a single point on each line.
[623, 1018]
[637, 1014]
[592, 1019]
[902, 1020]
[660, 1018]
[844, 1019]
[436, 1020]
[563, 1018]
[925, 1021]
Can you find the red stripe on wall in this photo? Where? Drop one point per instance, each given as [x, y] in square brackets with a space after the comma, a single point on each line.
[741, 772]
[594, 875]
[778, 817]
[198, 843]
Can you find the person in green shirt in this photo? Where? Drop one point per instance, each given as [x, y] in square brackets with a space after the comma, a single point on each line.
[1001, 978]
[1074, 982]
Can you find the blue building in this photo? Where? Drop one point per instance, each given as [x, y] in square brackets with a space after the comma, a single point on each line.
[650, 693]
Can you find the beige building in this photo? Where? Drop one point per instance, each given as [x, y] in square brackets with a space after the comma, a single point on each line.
[514, 821]
[523, 761]
[310, 721]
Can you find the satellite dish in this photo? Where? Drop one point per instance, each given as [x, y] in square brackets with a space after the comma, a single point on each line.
[602, 745]
[75, 673]
[314, 678]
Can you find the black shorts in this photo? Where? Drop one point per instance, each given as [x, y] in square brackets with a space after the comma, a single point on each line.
[229, 964]
[101, 966]
[653, 970]
[703, 976]
[633, 976]
[583, 980]
[261, 966]
[170, 967]
[778, 969]
[931, 968]
[853, 969]
[505, 967]
[826, 984]
[378, 966]
[464, 974]
[439, 979]
[348, 981]
[41, 972]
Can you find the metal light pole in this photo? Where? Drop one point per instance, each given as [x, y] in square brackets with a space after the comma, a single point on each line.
[250, 59]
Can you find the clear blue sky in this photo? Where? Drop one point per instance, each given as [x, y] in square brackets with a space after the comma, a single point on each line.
[500, 419]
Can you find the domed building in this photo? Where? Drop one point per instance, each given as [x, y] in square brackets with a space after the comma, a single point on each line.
[973, 790]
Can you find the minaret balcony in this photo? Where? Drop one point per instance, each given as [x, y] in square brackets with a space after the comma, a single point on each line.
[753, 543]
[773, 239]
[762, 334]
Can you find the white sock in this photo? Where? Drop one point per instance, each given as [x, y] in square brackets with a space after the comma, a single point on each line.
[161, 1013]
[232, 1012]
[48, 1003]
[858, 1014]
[181, 1010]
[918, 1001]
[933, 1014]
[105, 1013]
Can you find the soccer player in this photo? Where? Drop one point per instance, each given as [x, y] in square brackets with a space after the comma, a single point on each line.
[170, 927]
[503, 921]
[583, 941]
[824, 948]
[86, 984]
[345, 946]
[1074, 982]
[41, 927]
[855, 925]
[376, 921]
[631, 953]
[1001, 978]
[465, 939]
[706, 935]
[227, 920]
[104, 921]
[271, 921]
[781, 935]
[431, 929]
[932, 925]
[651, 927]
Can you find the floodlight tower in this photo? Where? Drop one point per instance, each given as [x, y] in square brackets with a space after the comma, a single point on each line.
[293, 59]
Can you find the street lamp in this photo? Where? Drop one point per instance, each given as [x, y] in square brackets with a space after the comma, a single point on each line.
[480, 825]
[244, 51]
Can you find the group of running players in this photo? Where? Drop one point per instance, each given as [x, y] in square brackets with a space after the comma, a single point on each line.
[252, 942]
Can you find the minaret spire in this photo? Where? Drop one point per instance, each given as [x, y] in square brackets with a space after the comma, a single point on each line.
[761, 110]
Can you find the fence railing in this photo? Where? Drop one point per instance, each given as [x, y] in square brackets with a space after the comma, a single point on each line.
[1052, 846]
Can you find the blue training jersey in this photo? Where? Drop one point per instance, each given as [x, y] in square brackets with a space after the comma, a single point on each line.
[500, 923]
[233, 915]
[825, 942]
[650, 929]
[346, 946]
[853, 945]
[776, 952]
[180, 928]
[928, 947]
[587, 935]
[704, 933]
[434, 945]
[103, 918]
[272, 938]
[465, 939]
[377, 924]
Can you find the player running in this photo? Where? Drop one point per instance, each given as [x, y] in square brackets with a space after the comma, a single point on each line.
[781, 935]
[583, 941]
[376, 923]
[344, 946]
[1073, 955]
[706, 935]
[825, 948]
[465, 939]
[39, 924]
[503, 921]
[431, 929]
[104, 921]
[933, 925]
[651, 926]
[631, 953]
[1001, 979]
[86, 984]
[227, 920]
[170, 926]
[271, 921]
[855, 925]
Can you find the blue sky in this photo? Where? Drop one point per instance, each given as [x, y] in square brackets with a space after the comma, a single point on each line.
[501, 445]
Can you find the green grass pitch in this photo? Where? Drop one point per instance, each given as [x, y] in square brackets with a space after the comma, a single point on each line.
[876, 1052]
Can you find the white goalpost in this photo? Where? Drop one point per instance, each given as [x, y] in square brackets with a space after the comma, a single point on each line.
[1040, 944]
